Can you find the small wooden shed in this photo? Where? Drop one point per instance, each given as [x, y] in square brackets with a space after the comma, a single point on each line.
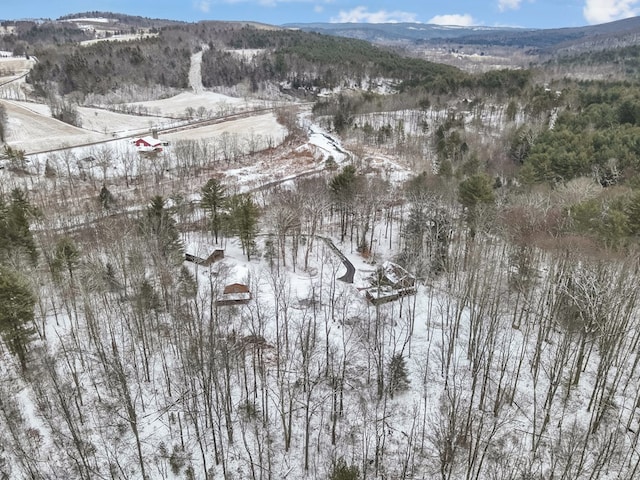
[202, 253]
[235, 294]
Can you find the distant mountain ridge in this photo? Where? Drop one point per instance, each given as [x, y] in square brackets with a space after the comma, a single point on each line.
[529, 44]
[625, 32]
[397, 31]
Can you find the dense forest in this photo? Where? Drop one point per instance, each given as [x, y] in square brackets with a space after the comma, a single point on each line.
[106, 66]
[28, 36]
[304, 60]
[622, 62]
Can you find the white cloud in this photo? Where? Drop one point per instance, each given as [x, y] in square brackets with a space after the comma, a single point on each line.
[203, 5]
[361, 15]
[508, 4]
[465, 20]
[602, 11]
[318, 9]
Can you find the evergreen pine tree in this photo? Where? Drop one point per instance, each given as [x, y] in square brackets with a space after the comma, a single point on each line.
[398, 377]
[3, 123]
[146, 298]
[474, 193]
[213, 200]
[106, 198]
[187, 285]
[159, 224]
[49, 171]
[243, 221]
[343, 188]
[15, 226]
[341, 471]
[110, 279]
[66, 257]
[16, 314]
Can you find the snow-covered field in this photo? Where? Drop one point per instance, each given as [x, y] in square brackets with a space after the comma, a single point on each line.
[12, 75]
[120, 124]
[263, 127]
[32, 131]
[177, 106]
[246, 53]
[10, 67]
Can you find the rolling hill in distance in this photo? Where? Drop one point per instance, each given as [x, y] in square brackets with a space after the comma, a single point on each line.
[621, 32]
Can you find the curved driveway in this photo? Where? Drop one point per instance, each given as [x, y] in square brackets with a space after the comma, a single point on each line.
[351, 270]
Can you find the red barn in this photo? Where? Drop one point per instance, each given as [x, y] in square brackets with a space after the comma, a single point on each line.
[148, 143]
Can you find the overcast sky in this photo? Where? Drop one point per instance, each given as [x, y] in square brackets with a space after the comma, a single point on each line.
[520, 13]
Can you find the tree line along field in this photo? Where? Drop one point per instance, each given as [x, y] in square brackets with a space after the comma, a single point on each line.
[512, 203]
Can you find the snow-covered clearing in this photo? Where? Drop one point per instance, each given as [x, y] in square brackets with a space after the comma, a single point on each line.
[99, 120]
[176, 106]
[246, 53]
[229, 139]
[118, 37]
[31, 131]
[195, 71]
[100, 20]
[13, 66]
[13, 71]
[263, 129]
[120, 124]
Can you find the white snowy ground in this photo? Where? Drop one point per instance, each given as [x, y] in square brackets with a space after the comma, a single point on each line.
[346, 332]
[12, 67]
[125, 37]
[176, 106]
[32, 128]
[13, 71]
[433, 309]
[121, 155]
